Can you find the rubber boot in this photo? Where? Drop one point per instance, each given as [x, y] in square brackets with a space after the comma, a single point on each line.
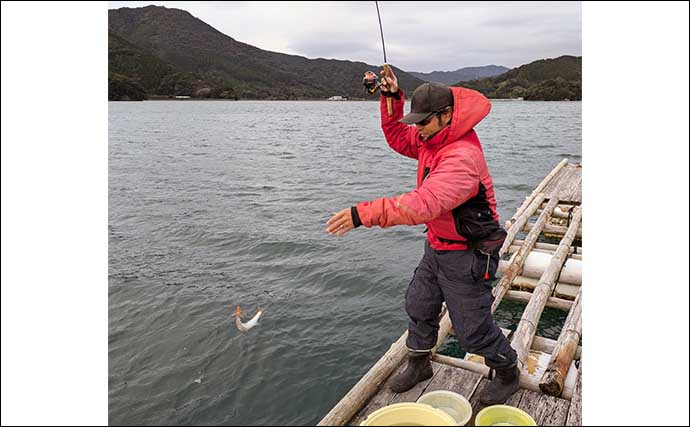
[506, 382]
[418, 369]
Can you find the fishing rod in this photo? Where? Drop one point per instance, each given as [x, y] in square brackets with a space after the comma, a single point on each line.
[370, 79]
[383, 44]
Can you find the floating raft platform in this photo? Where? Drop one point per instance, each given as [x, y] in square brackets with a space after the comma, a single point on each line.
[541, 266]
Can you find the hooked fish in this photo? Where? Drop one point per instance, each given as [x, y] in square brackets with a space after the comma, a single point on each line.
[244, 327]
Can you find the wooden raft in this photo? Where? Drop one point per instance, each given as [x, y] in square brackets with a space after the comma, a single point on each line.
[540, 266]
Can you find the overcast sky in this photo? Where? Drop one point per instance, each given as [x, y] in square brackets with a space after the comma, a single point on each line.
[429, 36]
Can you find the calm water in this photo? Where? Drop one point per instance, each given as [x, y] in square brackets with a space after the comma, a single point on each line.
[214, 204]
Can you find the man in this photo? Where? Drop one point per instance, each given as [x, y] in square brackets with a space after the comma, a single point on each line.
[455, 199]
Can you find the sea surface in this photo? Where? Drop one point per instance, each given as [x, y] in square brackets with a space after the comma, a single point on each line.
[214, 204]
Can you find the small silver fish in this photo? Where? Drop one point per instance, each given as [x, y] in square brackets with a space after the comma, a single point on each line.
[244, 327]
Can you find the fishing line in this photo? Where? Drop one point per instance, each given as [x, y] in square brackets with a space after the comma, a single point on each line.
[381, 28]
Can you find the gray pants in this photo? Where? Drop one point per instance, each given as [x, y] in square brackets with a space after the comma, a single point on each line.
[456, 277]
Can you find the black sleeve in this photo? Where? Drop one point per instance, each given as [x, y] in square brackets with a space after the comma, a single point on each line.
[355, 217]
[389, 94]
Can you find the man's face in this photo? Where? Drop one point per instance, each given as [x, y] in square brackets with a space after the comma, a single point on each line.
[433, 124]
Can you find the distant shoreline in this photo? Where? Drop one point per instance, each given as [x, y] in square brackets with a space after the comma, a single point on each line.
[315, 99]
[166, 98]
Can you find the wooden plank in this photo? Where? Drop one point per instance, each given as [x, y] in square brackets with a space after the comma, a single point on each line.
[415, 392]
[515, 399]
[474, 400]
[546, 410]
[382, 398]
[551, 411]
[530, 403]
[555, 183]
[576, 194]
[576, 190]
[575, 411]
[561, 180]
[569, 184]
[385, 396]
[478, 406]
[444, 379]
[460, 381]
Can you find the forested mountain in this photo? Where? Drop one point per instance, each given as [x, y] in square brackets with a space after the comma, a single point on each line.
[546, 80]
[166, 51]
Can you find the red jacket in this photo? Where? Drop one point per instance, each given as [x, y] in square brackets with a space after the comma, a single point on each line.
[451, 171]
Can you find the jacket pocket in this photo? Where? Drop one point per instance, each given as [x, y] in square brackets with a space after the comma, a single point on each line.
[484, 266]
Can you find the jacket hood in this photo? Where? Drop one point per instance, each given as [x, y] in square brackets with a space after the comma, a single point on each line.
[469, 108]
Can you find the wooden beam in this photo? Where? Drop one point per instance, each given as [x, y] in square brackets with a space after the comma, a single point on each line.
[553, 229]
[561, 211]
[522, 339]
[545, 345]
[551, 302]
[547, 246]
[520, 222]
[518, 259]
[565, 291]
[514, 248]
[554, 376]
[527, 380]
[540, 187]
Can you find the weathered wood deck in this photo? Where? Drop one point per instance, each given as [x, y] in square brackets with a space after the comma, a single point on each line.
[546, 410]
[538, 273]
[566, 185]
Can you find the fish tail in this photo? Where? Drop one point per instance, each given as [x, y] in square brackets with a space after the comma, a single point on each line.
[238, 312]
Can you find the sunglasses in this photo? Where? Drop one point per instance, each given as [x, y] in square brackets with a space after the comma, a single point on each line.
[434, 114]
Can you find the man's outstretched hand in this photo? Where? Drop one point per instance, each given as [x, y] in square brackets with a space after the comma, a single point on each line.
[340, 223]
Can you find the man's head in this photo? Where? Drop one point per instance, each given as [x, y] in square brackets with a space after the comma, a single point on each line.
[432, 109]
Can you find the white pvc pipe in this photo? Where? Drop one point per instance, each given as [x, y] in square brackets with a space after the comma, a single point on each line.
[537, 262]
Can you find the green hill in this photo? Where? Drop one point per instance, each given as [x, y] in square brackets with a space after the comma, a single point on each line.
[544, 80]
[170, 52]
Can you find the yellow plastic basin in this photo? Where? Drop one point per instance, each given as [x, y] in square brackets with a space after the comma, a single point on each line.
[503, 415]
[454, 404]
[408, 414]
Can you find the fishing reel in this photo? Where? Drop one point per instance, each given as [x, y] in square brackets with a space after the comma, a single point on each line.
[370, 82]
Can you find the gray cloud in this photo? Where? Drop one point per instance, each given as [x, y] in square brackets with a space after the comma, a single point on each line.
[440, 36]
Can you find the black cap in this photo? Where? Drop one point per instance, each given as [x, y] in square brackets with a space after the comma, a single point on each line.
[428, 99]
